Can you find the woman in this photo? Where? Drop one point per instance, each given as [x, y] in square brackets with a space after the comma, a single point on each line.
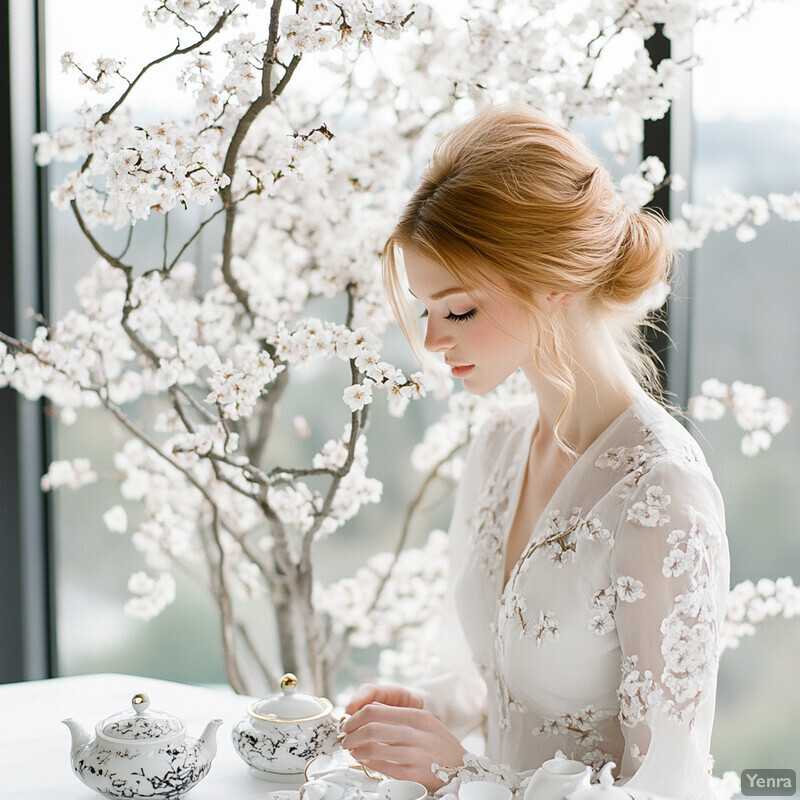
[589, 565]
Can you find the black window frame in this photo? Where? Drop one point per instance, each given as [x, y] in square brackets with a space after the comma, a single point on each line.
[26, 601]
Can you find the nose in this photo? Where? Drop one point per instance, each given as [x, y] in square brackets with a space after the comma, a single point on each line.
[437, 339]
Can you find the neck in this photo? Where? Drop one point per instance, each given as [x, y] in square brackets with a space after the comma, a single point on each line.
[604, 388]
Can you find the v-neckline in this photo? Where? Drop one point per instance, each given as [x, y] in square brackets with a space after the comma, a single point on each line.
[526, 442]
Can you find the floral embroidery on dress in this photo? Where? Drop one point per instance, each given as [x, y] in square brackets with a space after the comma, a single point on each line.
[650, 511]
[582, 725]
[633, 462]
[562, 534]
[690, 637]
[637, 692]
[689, 648]
[603, 603]
[476, 768]
[597, 759]
[490, 521]
[493, 674]
[517, 707]
[687, 549]
[636, 754]
[513, 608]
[629, 589]
[693, 454]
[547, 628]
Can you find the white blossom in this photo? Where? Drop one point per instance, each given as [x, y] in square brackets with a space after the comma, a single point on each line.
[629, 589]
[749, 604]
[760, 417]
[358, 396]
[72, 473]
[151, 595]
[116, 520]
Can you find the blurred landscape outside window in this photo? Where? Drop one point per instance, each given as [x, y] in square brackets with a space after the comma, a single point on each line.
[745, 326]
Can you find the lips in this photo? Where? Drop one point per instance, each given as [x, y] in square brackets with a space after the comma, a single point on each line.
[461, 371]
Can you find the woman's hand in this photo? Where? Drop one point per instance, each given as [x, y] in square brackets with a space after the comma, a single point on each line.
[400, 741]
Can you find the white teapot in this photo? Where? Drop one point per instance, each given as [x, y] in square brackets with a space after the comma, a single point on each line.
[284, 731]
[141, 754]
[556, 778]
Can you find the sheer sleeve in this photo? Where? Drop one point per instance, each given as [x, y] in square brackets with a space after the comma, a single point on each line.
[454, 690]
[670, 570]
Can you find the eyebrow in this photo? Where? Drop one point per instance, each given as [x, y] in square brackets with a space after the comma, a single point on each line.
[444, 293]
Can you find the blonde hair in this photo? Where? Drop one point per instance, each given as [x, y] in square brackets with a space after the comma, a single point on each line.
[512, 202]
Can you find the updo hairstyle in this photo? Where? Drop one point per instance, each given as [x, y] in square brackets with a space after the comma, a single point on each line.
[513, 203]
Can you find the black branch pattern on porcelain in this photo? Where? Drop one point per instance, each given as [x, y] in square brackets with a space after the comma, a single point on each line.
[168, 774]
[284, 751]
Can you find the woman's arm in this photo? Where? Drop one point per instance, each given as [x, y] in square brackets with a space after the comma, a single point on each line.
[670, 570]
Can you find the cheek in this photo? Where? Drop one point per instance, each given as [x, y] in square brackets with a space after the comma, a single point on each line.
[486, 335]
[500, 341]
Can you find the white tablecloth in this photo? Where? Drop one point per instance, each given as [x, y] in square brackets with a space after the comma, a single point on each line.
[35, 746]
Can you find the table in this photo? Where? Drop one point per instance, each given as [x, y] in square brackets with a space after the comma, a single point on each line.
[35, 746]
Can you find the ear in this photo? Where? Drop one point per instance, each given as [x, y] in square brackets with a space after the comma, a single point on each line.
[556, 300]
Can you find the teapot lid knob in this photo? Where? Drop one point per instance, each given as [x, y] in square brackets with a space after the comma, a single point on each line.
[606, 778]
[289, 683]
[140, 703]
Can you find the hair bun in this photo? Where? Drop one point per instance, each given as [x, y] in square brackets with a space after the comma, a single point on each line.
[643, 260]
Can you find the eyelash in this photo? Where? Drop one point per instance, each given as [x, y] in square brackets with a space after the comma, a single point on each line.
[455, 317]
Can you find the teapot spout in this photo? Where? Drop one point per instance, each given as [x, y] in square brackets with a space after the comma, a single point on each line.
[79, 736]
[208, 738]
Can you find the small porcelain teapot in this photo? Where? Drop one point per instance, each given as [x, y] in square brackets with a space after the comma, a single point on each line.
[603, 790]
[284, 731]
[556, 778]
[141, 754]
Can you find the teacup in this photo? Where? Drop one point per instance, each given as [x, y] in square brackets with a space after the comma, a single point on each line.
[556, 778]
[402, 790]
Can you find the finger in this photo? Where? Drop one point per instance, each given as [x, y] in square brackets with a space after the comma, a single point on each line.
[371, 712]
[364, 694]
[393, 715]
[402, 754]
[390, 695]
[383, 732]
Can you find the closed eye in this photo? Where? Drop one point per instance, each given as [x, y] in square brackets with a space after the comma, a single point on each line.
[454, 317]
[462, 317]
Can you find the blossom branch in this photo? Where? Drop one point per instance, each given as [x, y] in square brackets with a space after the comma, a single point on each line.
[229, 166]
[223, 598]
[178, 51]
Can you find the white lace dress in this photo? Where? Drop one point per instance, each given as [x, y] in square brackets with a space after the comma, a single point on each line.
[604, 642]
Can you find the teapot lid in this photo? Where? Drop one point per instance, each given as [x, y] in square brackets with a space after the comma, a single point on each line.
[140, 723]
[289, 705]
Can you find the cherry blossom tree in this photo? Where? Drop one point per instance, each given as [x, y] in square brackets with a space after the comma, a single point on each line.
[301, 181]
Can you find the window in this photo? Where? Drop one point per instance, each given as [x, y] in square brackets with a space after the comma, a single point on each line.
[745, 326]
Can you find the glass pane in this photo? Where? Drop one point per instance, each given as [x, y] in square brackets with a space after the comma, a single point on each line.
[745, 326]
[92, 566]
